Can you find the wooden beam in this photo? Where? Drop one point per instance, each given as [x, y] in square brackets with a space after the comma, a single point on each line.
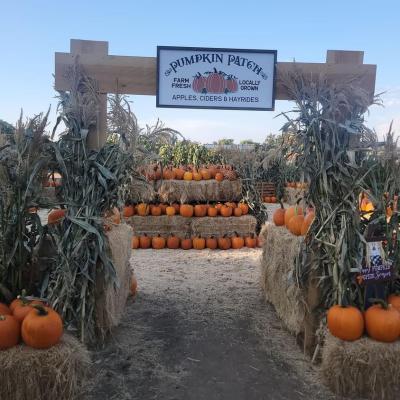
[137, 75]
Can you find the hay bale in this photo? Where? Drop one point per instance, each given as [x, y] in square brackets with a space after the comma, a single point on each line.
[163, 225]
[210, 190]
[291, 195]
[220, 226]
[363, 368]
[55, 373]
[280, 249]
[141, 191]
[111, 299]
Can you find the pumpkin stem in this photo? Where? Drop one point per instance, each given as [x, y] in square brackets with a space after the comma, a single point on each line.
[41, 310]
[381, 302]
[2, 317]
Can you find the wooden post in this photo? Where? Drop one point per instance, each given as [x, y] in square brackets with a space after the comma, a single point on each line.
[98, 134]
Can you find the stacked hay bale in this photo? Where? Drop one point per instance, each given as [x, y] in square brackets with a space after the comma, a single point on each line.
[55, 373]
[163, 225]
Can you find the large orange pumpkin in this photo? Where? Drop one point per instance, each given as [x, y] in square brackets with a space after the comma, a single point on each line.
[188, 176]
[295, 224]
[279, 216]
[224, 243]
[237, 212]
[145, 241]
[197, 176]
[382, 322]
[393, 299]
[200, 210]
[212, 211]
[21, 311]
[155, 210]
[308, 220]
[158, 242]
[211, 243]
[168, 174]
[135, 242]
[244, 207]
[237, 241]
[186, 244]
[10, 330]
[205, 174]
[170, 211]
[173, 242]
[128, 211]
[226, 211]
[346, 323]
[199, 243]
[179, 173]
[4, 309]
[291, 212]
[219, 176]
[250, 241]
[186, 210]
[143, 209]
[42, 328]
[55, 216]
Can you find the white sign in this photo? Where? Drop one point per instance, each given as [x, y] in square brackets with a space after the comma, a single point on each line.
[191, 77]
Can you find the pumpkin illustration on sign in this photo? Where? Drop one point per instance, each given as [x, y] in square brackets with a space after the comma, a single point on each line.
[231, 85]
[215, 82]
[199, 83]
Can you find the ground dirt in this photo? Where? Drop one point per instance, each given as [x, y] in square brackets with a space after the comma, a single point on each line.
[199, 329]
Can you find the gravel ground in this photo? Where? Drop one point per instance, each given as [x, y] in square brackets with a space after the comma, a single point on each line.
[200, 329]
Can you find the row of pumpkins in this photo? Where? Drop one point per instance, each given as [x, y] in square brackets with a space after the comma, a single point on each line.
[39, 325]
[293, 219]
[197, 243]
[227, 209]
[381, 321]
[190, 173]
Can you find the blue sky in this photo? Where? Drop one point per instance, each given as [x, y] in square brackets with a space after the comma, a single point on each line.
[31, 31]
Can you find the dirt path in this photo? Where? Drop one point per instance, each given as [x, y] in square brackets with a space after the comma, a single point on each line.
[199, 329]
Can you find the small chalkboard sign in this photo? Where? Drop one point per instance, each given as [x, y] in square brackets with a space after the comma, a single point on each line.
[377, 273]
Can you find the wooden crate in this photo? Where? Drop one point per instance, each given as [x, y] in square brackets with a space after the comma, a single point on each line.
[266, 189]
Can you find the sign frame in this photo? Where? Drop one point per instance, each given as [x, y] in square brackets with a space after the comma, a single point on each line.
[217, 49]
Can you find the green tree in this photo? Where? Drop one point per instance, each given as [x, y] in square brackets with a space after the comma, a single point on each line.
[225, 141]
[6, 128]
[248, 141]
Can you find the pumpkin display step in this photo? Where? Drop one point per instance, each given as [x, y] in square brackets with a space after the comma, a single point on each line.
[10, 330]
[346, 323]
[42, 328]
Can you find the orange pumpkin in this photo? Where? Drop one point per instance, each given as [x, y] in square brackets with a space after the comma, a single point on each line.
[10, 330]
[237, 241]
[145, 241]
[135, 244]
[225, 211]
[186, 244]
[211, 243]
[250, 241]
[279, 216]
[186, 210]
[177, 207]
[273, 199]
[237, 212]
[393, 299]
[168, 174]
[173, 242]
[42, 328]
[212, 169]
[133, 288]
[205, 174]
[143, 209]
[212, 211]
[197, 176]
[22, 310]
[231, 204]
[179, 173]
[295, 224]
[218, 207]
[155, 210]
[199, 243]
[128, 211]
[308, 220]
[267, 199]
[158, 242]
[346, 323]
[219, 176]
[163, 208]
[224, 243]
[244, 207]
[170, 211]
[4, 309]
[55, 216]
[291, 212]
[382, 322]
[188, 176]
[200, 210]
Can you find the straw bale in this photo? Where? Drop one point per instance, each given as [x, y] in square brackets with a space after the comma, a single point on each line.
[209, 190]
[142, 191]
[280, 249]
[292, 195]
[163, 225]
[363, 368]
[111, 299]
[220, 226]
[55, 373]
